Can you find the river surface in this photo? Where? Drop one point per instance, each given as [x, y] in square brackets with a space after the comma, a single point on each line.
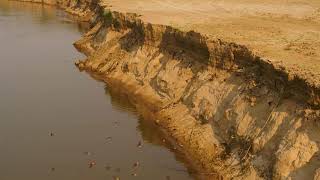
[58, 123]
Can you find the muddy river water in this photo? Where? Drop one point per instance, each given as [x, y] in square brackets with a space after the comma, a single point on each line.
[59, 123]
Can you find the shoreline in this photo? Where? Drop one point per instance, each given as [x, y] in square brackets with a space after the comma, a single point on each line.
[226, 108]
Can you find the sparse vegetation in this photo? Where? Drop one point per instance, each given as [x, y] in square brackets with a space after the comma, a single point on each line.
[107, 15]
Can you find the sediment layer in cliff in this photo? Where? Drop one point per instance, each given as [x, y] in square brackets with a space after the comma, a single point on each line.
[230, 111]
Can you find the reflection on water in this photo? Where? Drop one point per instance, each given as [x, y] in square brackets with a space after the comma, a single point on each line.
[149, 131]
[57, 123]
[40, 14]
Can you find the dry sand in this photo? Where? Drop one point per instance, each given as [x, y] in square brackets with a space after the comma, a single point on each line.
[283, 31]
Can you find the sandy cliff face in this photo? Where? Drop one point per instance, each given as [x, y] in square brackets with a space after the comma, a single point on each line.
[229, 110]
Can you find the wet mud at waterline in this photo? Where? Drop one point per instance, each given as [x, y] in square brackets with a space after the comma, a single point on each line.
[59, 123]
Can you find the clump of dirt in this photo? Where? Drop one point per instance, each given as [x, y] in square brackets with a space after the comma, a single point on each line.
[229, 110]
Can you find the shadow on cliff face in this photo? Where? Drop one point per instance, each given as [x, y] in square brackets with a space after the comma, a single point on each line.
[169, 41]
[176, 43]
[134, 39]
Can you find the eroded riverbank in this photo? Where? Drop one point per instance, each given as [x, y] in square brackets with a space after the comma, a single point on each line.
[228, 110]
[55, 120]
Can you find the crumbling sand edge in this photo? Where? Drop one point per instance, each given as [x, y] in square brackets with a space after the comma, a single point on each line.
[223, 62]
[309, 90]
[207, 149]
[86, 10]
